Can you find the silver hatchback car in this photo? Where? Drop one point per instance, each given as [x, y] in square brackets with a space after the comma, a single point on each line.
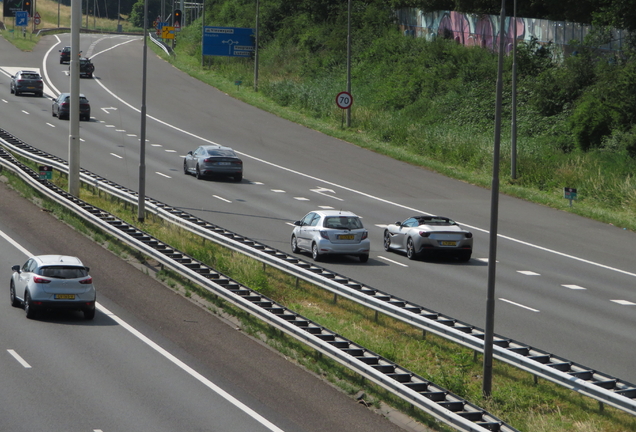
[328, 232]
[53, 282]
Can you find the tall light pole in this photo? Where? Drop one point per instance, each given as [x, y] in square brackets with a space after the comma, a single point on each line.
[494, 215]
[73, 137]
[349, 60]
[256, 48]
[141, 204]
[513, 129]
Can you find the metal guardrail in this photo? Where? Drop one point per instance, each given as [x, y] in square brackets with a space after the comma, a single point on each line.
[593, 383]
[429, 397]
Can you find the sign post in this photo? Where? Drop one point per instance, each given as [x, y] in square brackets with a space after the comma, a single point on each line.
[570, 194]
[344, 100]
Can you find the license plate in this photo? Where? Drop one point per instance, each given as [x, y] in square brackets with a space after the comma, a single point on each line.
[31, 87]
[449, 243]
[224, 163]
[346, 237]
[65, 296]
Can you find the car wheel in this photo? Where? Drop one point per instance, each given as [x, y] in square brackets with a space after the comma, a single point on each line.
[28, 309]
[294, 244]
[89, 314]
[464, 256]
[185, 168]
[40, 94]
[410, 249]
[315, 254]
[12, 91]
[14, 300]
[238, 178]
[363, 258]
[387, 241]
[198, 173]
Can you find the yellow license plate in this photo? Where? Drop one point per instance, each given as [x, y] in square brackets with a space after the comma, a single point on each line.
[449, 243]
[346, 237]
[65, 296]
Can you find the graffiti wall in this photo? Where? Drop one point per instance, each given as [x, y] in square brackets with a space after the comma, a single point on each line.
[484, 31]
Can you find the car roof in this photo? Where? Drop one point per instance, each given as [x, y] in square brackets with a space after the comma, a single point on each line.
[335, 213]
[28, 72]
[58, 260]
[68, 94]
[216, 147]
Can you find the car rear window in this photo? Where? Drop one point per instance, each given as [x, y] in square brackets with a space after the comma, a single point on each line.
[30, 76]
[342, 222]
[63, 272]
[221, 152]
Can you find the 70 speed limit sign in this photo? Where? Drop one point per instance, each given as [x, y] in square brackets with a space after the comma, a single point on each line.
[344, 100]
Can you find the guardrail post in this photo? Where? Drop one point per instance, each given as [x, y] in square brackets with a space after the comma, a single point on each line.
[335, 298]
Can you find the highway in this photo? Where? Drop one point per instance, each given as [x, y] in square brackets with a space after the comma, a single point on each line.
[151, 360]
[564, 283]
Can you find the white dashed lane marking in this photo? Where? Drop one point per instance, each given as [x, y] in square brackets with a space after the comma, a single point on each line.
[519, 305]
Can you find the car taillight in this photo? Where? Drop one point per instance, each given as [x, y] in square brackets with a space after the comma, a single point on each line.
[324, 235]
[38, 279]
[424, 233]
[238, 162]
[86, 281]
[64, 104]
[365, 235]
[469, 235]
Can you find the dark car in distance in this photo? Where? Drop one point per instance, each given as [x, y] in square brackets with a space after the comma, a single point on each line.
[26, 81]
[65, 55]
[86, 67]
[61, 107]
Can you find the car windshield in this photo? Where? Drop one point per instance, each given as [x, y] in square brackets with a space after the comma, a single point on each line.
[436, 221]
[63, 272]
[221, 152]
[342, 222]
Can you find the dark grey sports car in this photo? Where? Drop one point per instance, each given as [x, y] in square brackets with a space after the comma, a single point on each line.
[429, 236]
[209, 160]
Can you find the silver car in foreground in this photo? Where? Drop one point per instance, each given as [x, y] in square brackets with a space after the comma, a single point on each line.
[429, 236]
[53, 282]
[329, 232]
[211, 160]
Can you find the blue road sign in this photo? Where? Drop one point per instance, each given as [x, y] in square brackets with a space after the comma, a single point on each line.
[228, 41]
[21, 18]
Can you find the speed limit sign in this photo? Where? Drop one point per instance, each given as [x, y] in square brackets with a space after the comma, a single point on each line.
[344, 100]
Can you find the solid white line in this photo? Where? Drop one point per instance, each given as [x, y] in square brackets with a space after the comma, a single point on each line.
[519, 304]
[203, 380]
[391, 261]
[19, 359]
[222, 199]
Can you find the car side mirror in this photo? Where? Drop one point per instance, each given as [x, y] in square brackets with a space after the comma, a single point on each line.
[16, 268]
[298, 223]
[398, 223]
[190, 152]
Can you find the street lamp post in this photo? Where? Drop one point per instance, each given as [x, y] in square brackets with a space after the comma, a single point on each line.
[349, 60]
[141, 204]
[494, 215]
[513, 140]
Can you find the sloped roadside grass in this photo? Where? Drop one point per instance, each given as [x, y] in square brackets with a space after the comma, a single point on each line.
[517, 399]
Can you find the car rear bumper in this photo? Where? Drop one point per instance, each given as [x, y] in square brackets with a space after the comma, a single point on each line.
[63, 304]
[362, 248]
